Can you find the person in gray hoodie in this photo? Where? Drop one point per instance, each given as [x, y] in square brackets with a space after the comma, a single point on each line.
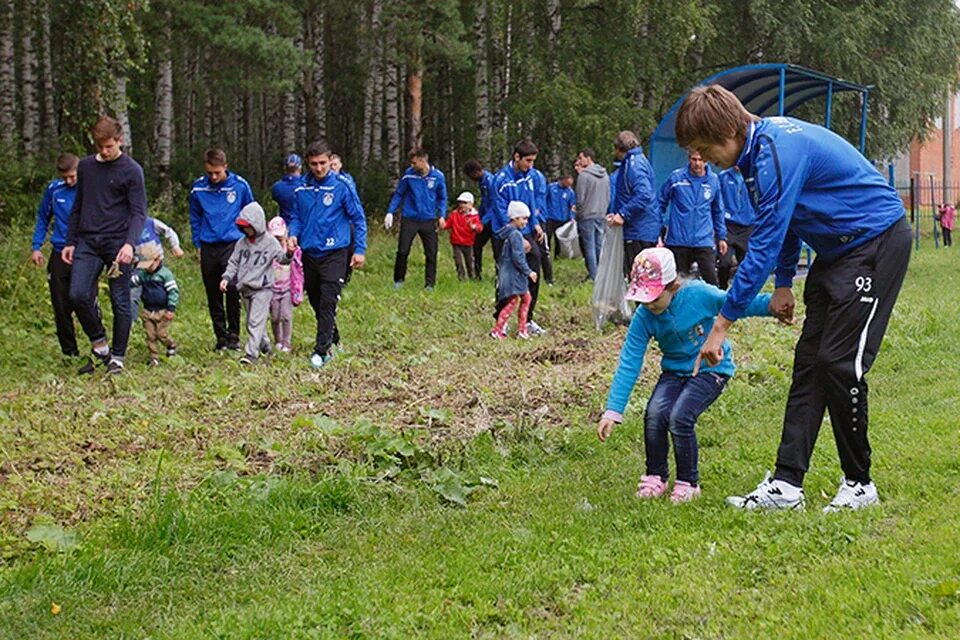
[250, 270]
[593, 200]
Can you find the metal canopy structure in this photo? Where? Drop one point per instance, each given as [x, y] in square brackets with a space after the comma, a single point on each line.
[773, 89]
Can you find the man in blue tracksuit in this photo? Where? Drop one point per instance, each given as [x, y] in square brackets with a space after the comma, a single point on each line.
[216, 199]
[636, 206]
[693, 211]
[324, 212]
[809, 184]
[282, 190]
[484, 179]
[423, 190]
[517, 181]
[55, 205]
[738, 216]
[561, 205]
[336, 165]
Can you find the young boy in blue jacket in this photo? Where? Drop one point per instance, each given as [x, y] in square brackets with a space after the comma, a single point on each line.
[678, 314]
[809, 184]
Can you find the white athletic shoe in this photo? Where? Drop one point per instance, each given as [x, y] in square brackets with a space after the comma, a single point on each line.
[534, 329]
[770, 495]
[853, 495]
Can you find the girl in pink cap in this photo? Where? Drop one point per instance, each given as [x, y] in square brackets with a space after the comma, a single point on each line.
[946, 216]
[678, 314]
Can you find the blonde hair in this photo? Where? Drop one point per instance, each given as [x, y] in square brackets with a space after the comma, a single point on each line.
[711, 114]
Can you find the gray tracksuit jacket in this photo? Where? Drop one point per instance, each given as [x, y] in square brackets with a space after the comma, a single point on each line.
[250, 266]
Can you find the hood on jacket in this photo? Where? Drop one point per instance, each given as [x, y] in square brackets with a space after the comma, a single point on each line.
[253, 215]
[505, 231]
[596, 170]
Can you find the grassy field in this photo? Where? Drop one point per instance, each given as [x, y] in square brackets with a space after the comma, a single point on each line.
[433, 483]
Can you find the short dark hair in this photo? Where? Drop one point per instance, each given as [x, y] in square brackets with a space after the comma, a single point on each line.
[318, 148]
[525, 148]
[215, 157]
[67, 162]
[588, 152]
[106, 128]
[417, 152]
[471, 167]
[565, 176]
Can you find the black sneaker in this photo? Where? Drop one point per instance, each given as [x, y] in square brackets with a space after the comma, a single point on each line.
[246, 360]
[221, 345]
[92, 361]
[115, 367]
[233, 342]
[171, 351]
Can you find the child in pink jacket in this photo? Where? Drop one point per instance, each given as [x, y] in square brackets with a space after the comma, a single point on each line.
[947, 213]
[287, 289]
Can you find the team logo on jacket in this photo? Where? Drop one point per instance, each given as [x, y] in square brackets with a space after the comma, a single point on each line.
[327, 199]
[707, 193]
[231, 196]
[431, 182]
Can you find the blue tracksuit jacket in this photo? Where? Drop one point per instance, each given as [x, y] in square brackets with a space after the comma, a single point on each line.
[510, 185]
[322, 214]
[614, 178]
[486, 198]
[637, 198]
[680, 331]
[560, 202]
[282, 193]
[693, 209]
[214, 209]
[424, 197]
[737, 205]
[807, 184]
[56, 203]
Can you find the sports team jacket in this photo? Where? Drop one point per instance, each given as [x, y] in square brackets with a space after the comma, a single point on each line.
[56, 203]
[509, 185]
[322, 214]
[214, 209]
[737, 205]
[424, 197]
[560, 202]
[486, 197]
[693, 209]
[807, 184]
[637, 198]
[282, 193]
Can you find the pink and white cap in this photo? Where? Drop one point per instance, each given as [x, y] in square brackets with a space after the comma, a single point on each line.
[277, 227]
[652, 271]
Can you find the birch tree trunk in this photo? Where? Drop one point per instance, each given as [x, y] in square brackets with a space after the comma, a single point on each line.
[50, 129]
[164, 110]
[508, 61]
[482, 83]
[28, 81]
[288, 107]
[319, 103]
[370, 99]
[553, 43]
[120, 109]
[392, 99]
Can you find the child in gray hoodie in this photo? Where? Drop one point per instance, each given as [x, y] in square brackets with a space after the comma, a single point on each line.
[250, 269]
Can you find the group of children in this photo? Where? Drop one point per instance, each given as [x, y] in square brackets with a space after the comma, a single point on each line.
[265, 271]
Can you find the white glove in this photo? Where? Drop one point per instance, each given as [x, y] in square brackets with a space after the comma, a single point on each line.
[388, 221]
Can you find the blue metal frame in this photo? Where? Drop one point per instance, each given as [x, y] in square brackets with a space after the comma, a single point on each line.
[786, 78]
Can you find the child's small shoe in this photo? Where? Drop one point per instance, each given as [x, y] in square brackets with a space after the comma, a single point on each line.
[497, 335]
[684, 492]
[154, 362]
[651, 487]
[246, 360]
[523, 335]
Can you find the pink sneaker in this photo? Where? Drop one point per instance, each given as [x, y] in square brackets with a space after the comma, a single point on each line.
[651, 487]
[523, 335]
[684, 492]
[497, 335]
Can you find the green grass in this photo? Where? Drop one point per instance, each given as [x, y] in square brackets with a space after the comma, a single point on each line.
[210, 501]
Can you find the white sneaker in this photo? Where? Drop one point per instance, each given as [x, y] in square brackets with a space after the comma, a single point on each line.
[853, 495]
[772, 495]
[534, 329]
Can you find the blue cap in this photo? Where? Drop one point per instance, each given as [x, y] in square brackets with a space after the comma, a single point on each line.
[293, 160]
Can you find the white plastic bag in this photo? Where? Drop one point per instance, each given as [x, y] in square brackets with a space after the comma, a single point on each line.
[608, 290]
[569, 240]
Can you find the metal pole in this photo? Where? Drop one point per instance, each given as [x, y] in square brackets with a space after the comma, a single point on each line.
[933, 215]
[783, 88]
[913, 211]
[863, 122]
[890, 175]
[947, 147]
[829, 117]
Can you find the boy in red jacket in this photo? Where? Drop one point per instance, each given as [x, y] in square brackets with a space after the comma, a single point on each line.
[464, 224]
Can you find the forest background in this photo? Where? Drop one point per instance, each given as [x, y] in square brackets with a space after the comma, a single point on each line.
[465, 79]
